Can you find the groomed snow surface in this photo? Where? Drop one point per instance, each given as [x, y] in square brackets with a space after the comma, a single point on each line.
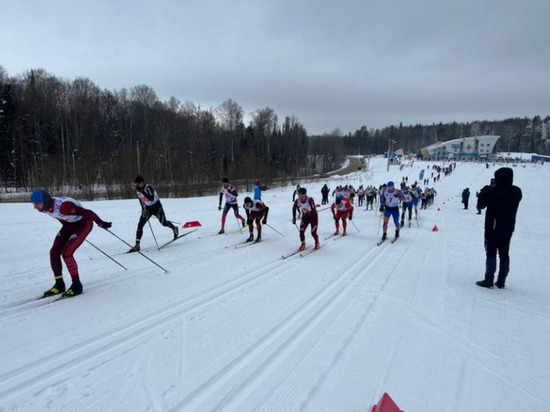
[241, 329]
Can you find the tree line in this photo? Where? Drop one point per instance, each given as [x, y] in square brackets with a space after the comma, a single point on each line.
[527, 135]
[71, 135]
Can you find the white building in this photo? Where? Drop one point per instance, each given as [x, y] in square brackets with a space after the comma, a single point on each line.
[466, 147]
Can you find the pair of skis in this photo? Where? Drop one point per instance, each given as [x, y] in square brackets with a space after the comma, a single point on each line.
[302, 253]
[243, 244]
[383, 240]
[40, 300]
[308, 250]
[170, 241]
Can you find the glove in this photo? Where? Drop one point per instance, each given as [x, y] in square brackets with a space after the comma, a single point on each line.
[105, 225]
[219, 207]
[350, 217]
[381, 208]
[293, 221]
[264, 221]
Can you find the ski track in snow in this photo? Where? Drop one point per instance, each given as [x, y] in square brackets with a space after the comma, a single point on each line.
[291, 331]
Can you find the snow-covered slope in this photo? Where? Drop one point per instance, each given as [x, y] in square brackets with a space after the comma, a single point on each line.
[242, 329]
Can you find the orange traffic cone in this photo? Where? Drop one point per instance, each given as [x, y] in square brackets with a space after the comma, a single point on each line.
[435, 229]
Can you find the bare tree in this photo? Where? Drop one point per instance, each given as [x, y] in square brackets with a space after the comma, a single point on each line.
[230, 115]
[264, 122]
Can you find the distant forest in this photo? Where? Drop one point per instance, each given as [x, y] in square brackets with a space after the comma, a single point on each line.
[72, 135]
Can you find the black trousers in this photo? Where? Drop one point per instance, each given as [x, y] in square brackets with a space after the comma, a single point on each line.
[155, 210]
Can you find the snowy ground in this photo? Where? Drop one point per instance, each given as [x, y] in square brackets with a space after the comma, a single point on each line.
[242, 329]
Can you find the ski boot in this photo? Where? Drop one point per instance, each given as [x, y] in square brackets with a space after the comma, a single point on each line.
[337, 232]
[135, 248]
[344, 233]
[384, 236]
[258, 239]
[244, 222]
[302, 246]
[402, 222]
[56, 289]
[176, 232]
[250, 238]
[317, 246]
[396, 233]
[74, 290]
[221, 232]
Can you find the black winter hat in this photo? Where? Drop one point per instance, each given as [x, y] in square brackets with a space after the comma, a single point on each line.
[139, 179]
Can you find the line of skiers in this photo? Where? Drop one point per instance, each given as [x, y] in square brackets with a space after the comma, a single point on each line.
[77, 221]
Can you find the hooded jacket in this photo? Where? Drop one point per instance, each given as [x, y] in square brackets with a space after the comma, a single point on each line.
[501, 201]
[465, 195]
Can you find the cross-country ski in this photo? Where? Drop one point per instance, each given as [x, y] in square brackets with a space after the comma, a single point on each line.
[294, 253]
[179, 237]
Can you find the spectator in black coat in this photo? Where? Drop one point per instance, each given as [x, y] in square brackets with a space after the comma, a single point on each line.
[324, 192]
[502, 203]
[466, 197]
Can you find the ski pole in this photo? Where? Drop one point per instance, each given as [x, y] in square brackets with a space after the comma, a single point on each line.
[354, 225]
[240, 224]
[154, 237]
[105, 254]
[146, 257]
[272, 228]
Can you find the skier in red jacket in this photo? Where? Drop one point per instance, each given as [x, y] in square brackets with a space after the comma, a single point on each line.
[76, 224]
[341, 209]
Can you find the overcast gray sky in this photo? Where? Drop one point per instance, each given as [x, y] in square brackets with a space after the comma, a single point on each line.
[332, 64]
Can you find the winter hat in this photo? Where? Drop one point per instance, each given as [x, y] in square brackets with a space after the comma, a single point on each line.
[41, 196]
[258, 181]
[225, 180]
[139, 179]
[247, 200]
[37, 196]
[302, 191]
[391, 184]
